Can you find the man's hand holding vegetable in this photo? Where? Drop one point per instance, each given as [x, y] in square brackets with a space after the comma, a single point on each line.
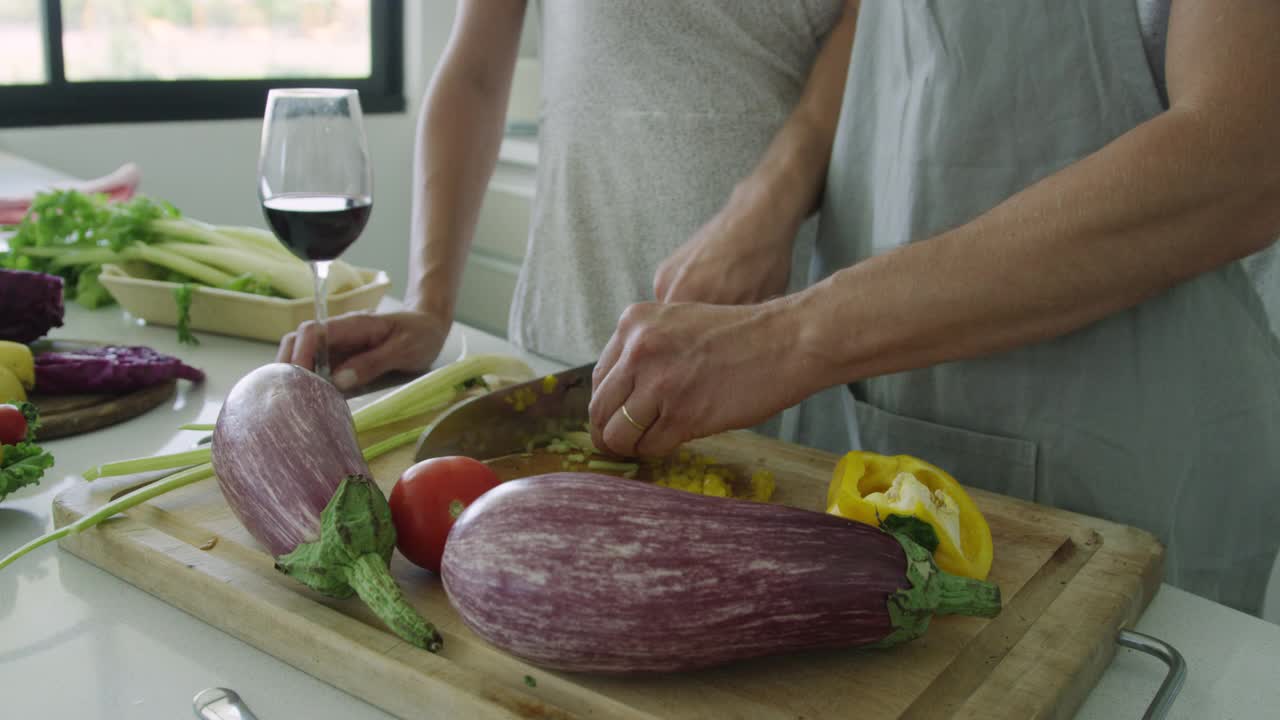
[685, 370]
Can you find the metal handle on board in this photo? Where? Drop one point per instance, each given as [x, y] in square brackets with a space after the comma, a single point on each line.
[1160, 704]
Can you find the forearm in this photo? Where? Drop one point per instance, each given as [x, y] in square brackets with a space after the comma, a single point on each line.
[460, 130]
[1175, 197]
[787, 182]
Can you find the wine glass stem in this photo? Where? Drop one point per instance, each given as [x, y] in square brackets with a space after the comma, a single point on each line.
[320, 272]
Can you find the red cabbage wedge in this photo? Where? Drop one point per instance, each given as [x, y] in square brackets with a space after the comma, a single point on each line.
[30, 304]
[583, 572]
[287, 460]
[110, 369]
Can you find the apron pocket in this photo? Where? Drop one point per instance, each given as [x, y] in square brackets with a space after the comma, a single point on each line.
[991, 462]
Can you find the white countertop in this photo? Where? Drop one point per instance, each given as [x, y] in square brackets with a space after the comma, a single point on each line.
[76, 642]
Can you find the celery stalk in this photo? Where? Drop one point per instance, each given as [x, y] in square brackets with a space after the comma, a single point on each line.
[379, 449]
[399, 403]
[289, 278]
[70, 255]
[611, 465]
[343, 277]
[420, 407]
[430, 392]
[95, 256]
[412, 396]
[189, 231]
[119, 505]
[262, 243]
[45, 252]
[260, 239]
[173, 482]
[146, 464]
[174, 261]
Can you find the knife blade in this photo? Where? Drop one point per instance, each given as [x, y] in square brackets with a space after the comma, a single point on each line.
[505, 421]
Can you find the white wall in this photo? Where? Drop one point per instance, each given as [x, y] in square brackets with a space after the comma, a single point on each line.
[208, 169]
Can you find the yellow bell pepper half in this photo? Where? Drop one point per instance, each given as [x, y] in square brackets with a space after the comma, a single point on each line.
[868, 487]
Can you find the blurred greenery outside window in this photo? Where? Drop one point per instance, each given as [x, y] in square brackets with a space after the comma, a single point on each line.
[190, 59]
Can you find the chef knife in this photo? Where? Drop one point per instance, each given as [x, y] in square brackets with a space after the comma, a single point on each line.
[505, 421]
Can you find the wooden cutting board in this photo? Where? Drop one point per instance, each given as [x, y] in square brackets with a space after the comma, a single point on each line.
[1069, 583]
[65, 415]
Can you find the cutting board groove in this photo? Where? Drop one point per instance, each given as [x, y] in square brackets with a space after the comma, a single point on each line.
[972, 665]
[1069, 583]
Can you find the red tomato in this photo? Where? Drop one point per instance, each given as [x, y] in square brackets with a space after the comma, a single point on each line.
[426, 500]
[13, 426]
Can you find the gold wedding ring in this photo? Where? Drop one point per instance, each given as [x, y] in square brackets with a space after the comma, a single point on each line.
[632, 420]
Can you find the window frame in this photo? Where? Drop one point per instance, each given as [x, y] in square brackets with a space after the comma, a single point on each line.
[60, 102]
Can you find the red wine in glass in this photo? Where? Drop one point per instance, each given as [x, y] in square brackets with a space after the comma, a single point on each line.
[317, 227]
[315, 183]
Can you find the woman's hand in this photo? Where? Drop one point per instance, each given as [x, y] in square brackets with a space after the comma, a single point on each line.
[740, 256]
[688, 370]
[743, 254]
[364, 346]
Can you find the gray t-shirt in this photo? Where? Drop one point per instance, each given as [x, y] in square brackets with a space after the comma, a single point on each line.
[651, 112]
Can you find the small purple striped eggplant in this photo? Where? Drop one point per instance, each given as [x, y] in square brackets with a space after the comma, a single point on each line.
[289, 465]
[583, 572]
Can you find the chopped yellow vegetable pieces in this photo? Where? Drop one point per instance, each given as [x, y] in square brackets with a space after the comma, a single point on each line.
[687, 471]
[522, 398]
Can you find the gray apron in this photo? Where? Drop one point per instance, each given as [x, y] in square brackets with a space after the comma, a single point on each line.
[1165, 416]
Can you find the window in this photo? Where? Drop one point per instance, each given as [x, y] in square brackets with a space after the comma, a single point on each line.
[88, 61]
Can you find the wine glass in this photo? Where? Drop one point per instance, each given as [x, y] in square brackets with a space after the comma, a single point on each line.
[315, 181]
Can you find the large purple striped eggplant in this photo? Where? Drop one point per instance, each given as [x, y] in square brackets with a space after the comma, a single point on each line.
[287, 460]
[583, 572]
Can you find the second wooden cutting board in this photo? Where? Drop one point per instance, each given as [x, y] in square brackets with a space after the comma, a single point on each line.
[67, 415]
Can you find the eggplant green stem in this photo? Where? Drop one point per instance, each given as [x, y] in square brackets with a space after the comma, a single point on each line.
[372, 581]
[934, 592]
[351, 556]
[959, 595]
